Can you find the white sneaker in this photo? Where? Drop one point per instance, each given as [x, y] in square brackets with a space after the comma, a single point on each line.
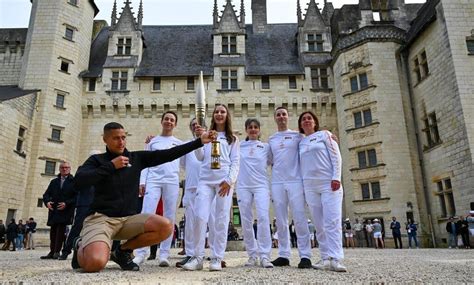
[323, 265]
[164, 262]
[253, 261]
[139, 259]
[193, 264]
[337, 266]
[265, 263]
[215, 264]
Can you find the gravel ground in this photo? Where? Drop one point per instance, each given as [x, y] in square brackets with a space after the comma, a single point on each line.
[365, 266]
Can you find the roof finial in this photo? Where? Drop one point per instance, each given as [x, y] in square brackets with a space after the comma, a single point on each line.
[298, 11]
[215, 14]
[140, 15]
[114, 14]
[242, 14]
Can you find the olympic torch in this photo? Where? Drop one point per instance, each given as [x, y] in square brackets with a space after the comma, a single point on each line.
[201, 102]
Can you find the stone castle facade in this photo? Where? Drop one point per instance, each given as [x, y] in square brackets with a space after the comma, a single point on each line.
[392, 80]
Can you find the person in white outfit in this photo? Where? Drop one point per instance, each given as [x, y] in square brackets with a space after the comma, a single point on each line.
[161, 182]
[218, 184]
[253, 187]
[287, 190]
[321, 165]
[192, 165]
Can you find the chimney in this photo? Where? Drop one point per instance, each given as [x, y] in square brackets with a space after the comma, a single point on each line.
[259, 16]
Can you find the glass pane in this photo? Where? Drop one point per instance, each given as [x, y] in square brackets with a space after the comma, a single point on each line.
[190, 83]
[363, 80]
[440, 186]
[319, 37]
[60, 100]
[129, 41]
[50, 167]
[21, 132]
[362, 159]
[323, 71]
[292, 82]
[114, 84]
[233, 40]
[365, 191]
[470, 46]
[225, 73]
[358, 120]
[156, 83]
[128, 50]
[69, 33]
[120, 41]
[376, 190]
[372, 157]
[225, 40]
[233, 84]
[233, 73]
[310, 37]
[124, 74]
[315, 83]
[324, 82]
[452, 207]
[367, 117]
[354, 85]
[233, 48]
[319, 47]
[314, 72]
[442, 205]
[123, 84]
[64, 66]
[225, 84]
[115, 74]
[19, 145]
[447, 184]
[311, 47]
[91, 84]
[56, 134]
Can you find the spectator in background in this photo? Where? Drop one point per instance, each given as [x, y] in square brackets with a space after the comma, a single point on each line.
[378, 234]
[255, 227]
[411, 230]
[293, 237]
[463, 229]
[451, 229]
[359, 233]
[470, 221]
[369, 229]
[3, 231]
[12, 232]
[396, 233]
[21, 235]
[348, 233]
[30, 234]
[311, 230]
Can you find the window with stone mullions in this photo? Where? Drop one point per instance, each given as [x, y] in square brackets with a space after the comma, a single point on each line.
[229, 79]
[124, 46]
[315, 42]
[21, 139]
[190, 83]
[362, 118]
[421, 67]
[431, 130]
[359, 82]
[319, 78]
[367, 158]
[119, 80]
[370, 190]
[446, 198]
[229, 44]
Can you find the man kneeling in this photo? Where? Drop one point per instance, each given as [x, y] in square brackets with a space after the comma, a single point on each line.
[115, 175]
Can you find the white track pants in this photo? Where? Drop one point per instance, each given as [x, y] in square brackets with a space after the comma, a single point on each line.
[325, 206]
[261, 196]
[153, 193]
[284, 194]
[203, 207]
[188, 203]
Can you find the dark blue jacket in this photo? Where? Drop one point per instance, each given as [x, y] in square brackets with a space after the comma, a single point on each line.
[56, 194]
[116, 190]
[395, 226]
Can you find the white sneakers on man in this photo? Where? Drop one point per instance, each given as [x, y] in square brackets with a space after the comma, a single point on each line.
[164, 262]
[139, 259]
[265, 263]
[323, 265]
[193, 264]
[215, 264]
[337, 266]
[253, 261]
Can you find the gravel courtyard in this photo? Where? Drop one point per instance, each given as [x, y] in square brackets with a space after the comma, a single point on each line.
[365, 265]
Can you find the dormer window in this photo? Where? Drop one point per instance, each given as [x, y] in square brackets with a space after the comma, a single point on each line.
[124, 46]
[229, 44]
[380, 10]
[315, 42]
[119, 80]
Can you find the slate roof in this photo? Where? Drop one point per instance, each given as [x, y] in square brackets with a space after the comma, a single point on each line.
[186, 50]
[13, 35]
[177, 51]
[273, 53]
[425, 16]
[12, 91]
